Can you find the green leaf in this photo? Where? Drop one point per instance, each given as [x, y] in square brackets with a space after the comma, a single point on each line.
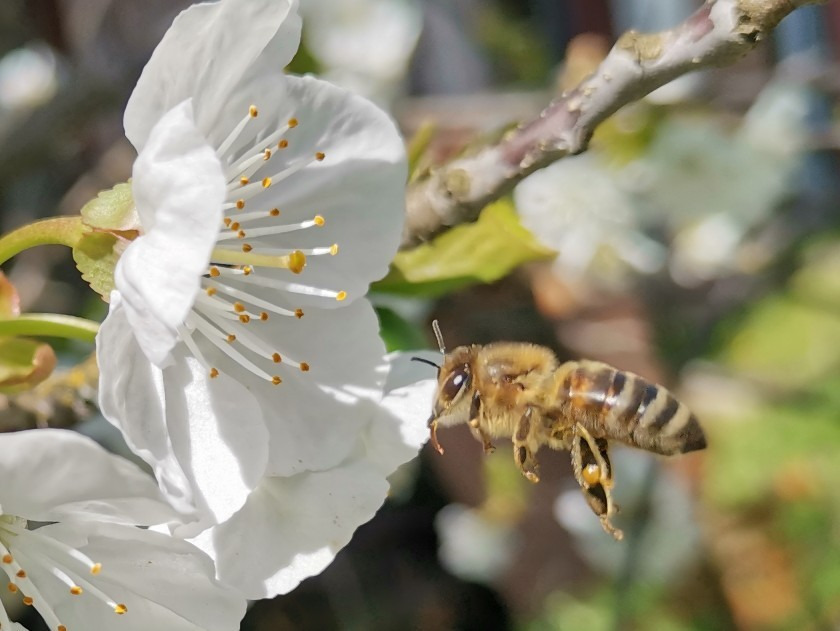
[96, 256]
[419, 145]
[397, 333]
[112, 209]
[482, 252]
[24, 364]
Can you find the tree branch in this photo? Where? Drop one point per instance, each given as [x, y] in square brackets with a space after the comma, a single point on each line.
[717, 34]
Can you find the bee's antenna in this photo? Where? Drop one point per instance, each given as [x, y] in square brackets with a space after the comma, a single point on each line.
[438, 336]
[423, 360]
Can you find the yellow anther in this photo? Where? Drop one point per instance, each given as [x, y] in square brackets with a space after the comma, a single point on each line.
[266, 182]
[240, 234]
[297, 261]
[211, 291]
[120, 609]
[293, 122]
[319, 221]
[240, 204]
[243, 180]
[247, 270]
[263, 315]
[244, 318]
[61, 627]
[276, 358]
[253, 111]
[341, 295]
[274, 212]
[96, 568]
[213, 373]
[12, 588]
[7, 558]
[298, 313]
[238, 307]
[231, 338]
[283, 144]
[591, 474]
[214, 272]
[27, 600]
[246, 247]
[304, 367]
[320, 156]
[267, 154]
[76, 590]
[276, 380]
[334, 249]
[235, 226]
[21, 573]
[227, 221]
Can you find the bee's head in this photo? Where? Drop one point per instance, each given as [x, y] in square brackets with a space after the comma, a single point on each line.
[455, 379]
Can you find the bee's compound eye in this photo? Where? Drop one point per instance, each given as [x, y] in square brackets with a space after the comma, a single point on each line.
[457, 379]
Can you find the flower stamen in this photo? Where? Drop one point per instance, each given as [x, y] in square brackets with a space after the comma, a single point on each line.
[295, 288]
[252, 162]
[250, 298]
[227, 143]
[30, 547]
[294, 261]
[317, 221]
[256, 346]
[219, 340]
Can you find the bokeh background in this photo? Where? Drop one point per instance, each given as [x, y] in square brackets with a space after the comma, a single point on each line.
[696, 243]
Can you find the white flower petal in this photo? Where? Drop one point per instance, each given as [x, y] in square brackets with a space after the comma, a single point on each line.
[131, 398]
[205, 53]
[359, 187]
[205, 439]
[178, 189]
[314, 417]
[164, 582]
[399, 429]
[55, 474]
[296, 524]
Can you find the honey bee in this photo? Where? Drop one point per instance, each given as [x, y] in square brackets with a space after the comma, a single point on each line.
[517, 390]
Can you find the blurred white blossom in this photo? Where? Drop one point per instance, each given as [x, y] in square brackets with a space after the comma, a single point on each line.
[473, 546]
[363, 45]
[28, 77]
[576, 207]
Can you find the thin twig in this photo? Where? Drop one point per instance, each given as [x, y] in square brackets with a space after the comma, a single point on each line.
[717, 34]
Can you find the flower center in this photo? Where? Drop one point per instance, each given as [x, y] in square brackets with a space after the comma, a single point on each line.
[21, 548]
[248, 255]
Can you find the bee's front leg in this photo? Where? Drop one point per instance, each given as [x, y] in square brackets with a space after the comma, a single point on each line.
[475, 425]
[524, 448]
[593, 472]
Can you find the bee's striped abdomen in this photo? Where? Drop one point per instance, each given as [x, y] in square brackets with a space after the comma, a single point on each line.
[625, 407]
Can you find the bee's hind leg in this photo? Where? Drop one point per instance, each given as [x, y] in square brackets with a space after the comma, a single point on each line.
[524, 447]
[593, 472]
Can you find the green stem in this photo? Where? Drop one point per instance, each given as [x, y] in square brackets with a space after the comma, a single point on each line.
[50, 325]
[56, 230]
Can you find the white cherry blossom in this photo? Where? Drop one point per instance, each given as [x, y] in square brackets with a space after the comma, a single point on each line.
[267, 203]
[90, 568]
